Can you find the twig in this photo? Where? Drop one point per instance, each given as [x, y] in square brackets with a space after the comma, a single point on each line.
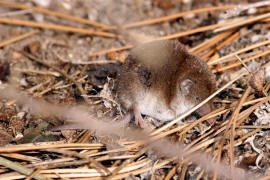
[82, 156]
[18, 38]
[52, 13]
[171, 173]
[192, 31]
[139, 171]
[251, 133]
[172, 36]
[40, 146]
[233, 126]
[264, 53]
[175, 16]
[222, 44]
[32, 71]
[224, 58]
[210, 42]
[33, 174]
[80, 61]
[237, 10]
[56, 27]
[15, 13]
[106, 51]
[243, 22]
[126, 162]
[244, 64]
[239, 120]
[254, 127]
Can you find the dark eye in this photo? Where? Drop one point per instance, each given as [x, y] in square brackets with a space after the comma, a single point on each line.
[197, 98]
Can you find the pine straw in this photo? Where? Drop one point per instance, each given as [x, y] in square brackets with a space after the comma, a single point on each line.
[84, 159]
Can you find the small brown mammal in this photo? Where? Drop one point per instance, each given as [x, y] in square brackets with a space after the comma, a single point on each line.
[163, 80]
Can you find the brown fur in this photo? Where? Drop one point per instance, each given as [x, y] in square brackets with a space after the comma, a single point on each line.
[158, 68]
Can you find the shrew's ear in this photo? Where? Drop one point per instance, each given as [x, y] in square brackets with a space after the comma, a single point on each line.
[185, 86]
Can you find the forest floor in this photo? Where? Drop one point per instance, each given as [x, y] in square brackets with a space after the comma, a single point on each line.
[61, 55]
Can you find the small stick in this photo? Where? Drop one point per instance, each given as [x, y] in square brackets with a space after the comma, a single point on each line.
[18, 38]
[56, 27]
[52, 13]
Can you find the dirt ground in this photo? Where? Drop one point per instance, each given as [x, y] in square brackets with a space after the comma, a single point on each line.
[67, 54]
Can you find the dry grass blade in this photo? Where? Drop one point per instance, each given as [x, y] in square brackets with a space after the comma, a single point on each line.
[21, 169]
[18, 38]
[56, 27]
[21, 157]
[53, 13]
[32, 147]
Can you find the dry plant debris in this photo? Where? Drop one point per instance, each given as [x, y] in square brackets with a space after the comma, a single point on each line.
[65, 55]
